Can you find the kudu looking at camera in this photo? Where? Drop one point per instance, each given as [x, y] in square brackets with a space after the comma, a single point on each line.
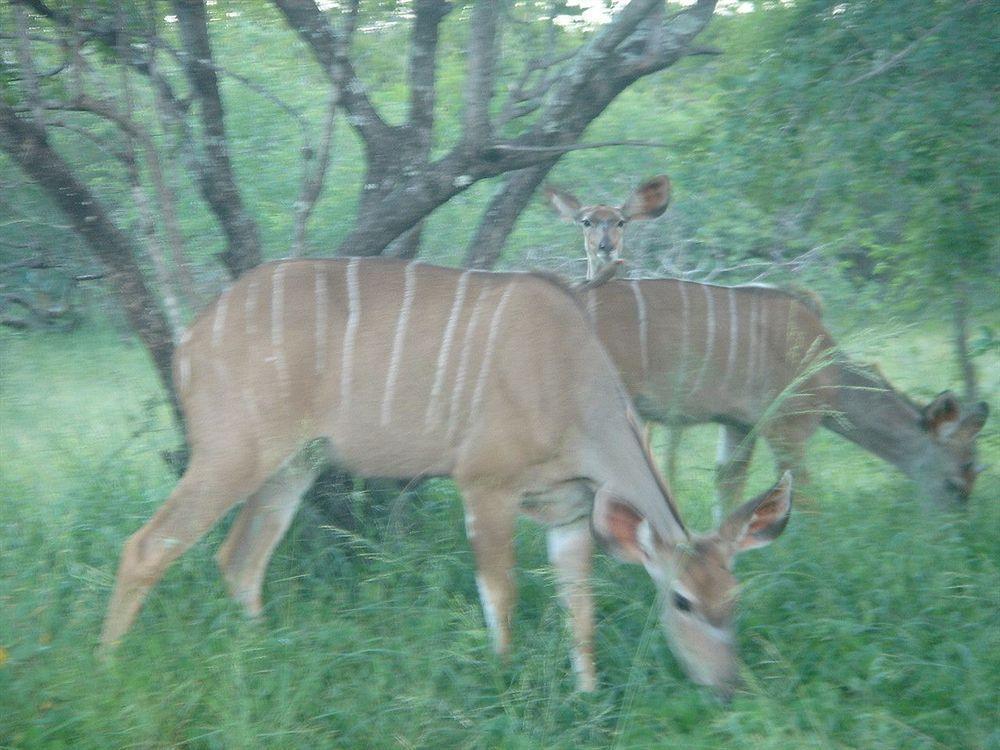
[402, 370]
[759, 361]
[604, 226]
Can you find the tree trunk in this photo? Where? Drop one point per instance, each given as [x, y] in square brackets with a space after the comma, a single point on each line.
[27, 145]
[499, 218]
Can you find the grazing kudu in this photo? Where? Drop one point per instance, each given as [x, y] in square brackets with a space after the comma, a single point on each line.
[759, 361]
[402, 370]
[604, 226]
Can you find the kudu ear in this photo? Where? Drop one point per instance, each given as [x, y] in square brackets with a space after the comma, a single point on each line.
[972, 422]
[564, 204]
[649, 200]
[760, 521]
[940, 416]
[624, 530]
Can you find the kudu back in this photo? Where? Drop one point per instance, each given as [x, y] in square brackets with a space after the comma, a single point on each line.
[401, 370]
[759, 361]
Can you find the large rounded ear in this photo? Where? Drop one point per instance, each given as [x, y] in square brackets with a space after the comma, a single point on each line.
[621, 527]
[940, 416]
[564, 204]
[760, 521]
[649, 200]
[972, 422]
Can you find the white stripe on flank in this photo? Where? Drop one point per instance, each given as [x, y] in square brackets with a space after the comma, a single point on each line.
[484, 368]
[219, 322]
[409, 289]
[752, 349]
[592, 307]
[353, 312]
[640, 312]
[710, 337]
[442, 361]
[321, 334]
[250, 404]
[685, 333]
[734, 327]
[277, 327]
[463, 363]
[250, 310]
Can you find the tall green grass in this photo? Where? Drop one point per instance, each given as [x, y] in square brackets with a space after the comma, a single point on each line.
[872, 623]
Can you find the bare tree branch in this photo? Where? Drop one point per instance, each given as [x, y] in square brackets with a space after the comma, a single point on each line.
[308, 21]
[216, 178]
[898, 58]
[313, 179]
[477, 129]
[26, 144]
[499, 218]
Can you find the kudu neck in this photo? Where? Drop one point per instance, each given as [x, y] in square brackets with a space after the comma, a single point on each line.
[872, 414]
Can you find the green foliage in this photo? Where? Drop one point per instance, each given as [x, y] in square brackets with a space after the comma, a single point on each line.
[871, 623]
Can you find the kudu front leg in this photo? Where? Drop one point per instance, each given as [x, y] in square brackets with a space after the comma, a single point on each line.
[570, 551]
[489, 525]
[209, 488]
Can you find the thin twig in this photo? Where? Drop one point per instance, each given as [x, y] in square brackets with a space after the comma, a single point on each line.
[579, 146]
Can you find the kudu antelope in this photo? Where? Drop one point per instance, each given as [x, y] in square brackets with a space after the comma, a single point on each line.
[604, 226]
[402, 370]
[759, 361]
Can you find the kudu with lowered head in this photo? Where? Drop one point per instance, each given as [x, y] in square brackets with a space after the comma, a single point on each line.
[759, 361]
[604, 226]
[401, 370]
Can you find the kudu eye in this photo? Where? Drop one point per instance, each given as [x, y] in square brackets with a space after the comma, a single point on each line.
[681, 602]
[621, 223]
[586, 222]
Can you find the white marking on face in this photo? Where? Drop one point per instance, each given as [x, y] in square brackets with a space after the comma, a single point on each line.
[277, 328]
[409, 290]
[463, 364]
[734, 327]
[484, 368]
[709, 336]
[722, 635]
[219, 321]
[353, 313]
[444, 353]
[321, 334]
[640, 312]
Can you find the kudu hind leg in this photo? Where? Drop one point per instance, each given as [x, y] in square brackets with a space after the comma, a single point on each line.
[260, 525]
[732, 462]
[209, 488]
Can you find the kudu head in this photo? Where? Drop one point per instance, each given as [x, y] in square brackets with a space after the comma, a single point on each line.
[947, 469]
[604, 226]
[697, 590]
